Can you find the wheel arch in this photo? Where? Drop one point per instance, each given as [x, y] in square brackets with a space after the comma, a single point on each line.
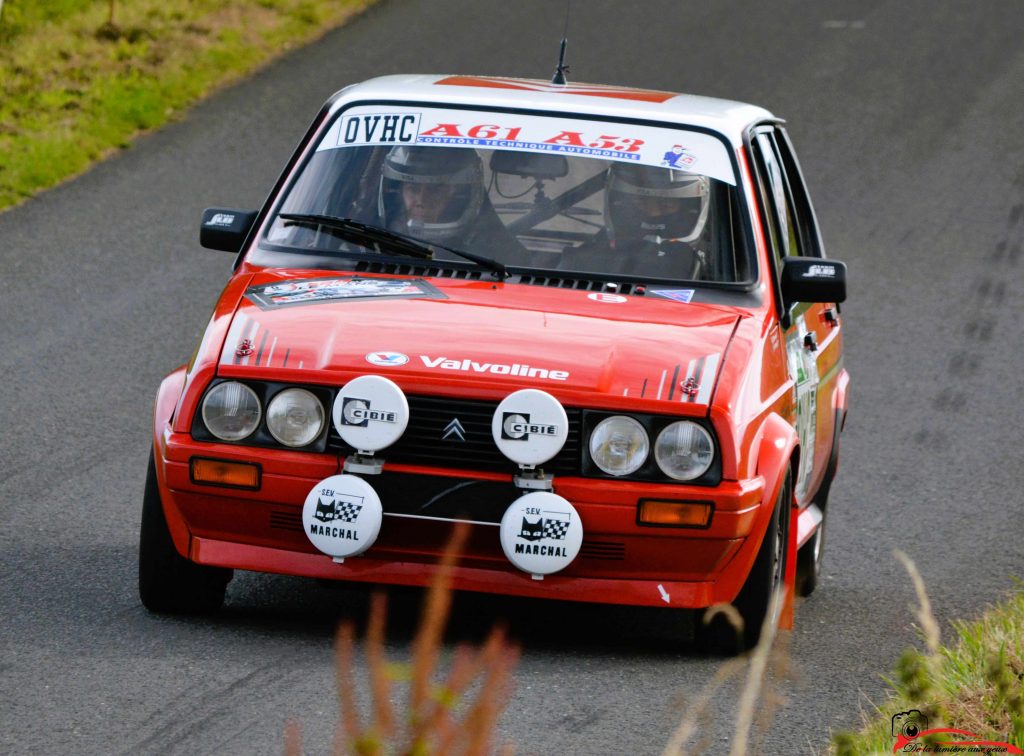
[167, 397]
[779, 454]
[774, 450]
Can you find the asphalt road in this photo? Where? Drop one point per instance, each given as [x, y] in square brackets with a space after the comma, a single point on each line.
[907, 117]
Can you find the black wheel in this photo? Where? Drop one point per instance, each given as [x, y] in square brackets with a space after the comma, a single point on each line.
[808, 559]
[718, 636]
[168, 582]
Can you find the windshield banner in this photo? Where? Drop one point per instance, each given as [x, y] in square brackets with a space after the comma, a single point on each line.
[645, 145]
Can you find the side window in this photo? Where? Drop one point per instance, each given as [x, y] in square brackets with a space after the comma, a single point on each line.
[810, 236]
[783, 216]
[766, 200]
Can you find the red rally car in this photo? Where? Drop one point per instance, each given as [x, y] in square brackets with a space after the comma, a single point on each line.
[596, 323]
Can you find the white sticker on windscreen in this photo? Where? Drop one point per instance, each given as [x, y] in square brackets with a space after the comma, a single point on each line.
[676, 148]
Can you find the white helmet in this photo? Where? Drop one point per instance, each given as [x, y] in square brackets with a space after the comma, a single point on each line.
[633, 211]
[457, 176]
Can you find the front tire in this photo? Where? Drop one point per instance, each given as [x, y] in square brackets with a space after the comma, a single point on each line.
[809, 557]
[808, 560]
[169, 583]
[714, 633]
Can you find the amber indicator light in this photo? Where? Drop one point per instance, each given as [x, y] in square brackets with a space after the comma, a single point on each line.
[221, 472]
[675, 514]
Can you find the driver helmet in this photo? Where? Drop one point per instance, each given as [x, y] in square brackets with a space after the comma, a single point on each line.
[430, 193]
[644, 203]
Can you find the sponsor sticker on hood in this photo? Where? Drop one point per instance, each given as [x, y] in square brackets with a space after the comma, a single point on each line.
[311, 291]
[677, 295]
[516, 369]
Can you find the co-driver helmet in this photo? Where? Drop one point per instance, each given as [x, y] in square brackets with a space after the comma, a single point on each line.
[655, 204]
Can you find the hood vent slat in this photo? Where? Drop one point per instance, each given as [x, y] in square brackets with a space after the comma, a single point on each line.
[529, 279]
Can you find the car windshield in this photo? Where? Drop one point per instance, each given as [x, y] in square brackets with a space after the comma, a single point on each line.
[545, 193]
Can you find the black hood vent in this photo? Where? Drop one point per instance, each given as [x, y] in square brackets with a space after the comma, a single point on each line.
[420, 270]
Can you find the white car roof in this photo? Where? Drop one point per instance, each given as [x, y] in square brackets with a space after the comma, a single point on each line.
[726, 117]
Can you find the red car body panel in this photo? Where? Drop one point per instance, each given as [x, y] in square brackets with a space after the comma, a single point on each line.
[615, 341]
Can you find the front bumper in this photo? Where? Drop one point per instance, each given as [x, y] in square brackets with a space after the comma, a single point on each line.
[621, 561]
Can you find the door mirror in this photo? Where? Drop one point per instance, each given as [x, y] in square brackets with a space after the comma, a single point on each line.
[225, 229]
[812, 279]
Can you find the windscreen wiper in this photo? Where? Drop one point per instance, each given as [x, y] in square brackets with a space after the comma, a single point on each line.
[384, 240]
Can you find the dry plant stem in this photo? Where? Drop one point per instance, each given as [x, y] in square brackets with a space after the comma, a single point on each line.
[755, 679]
[348, 716]
[427, 644]
[481, 718]
[379, 679]
[495, 653]
[929, 626]
[433, 707]
[695, 711]
[731, 614]
[465, 667]
[771, 699]
[292, 738]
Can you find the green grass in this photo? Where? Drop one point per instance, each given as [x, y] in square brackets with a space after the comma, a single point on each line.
[74, 87]
[974, 684]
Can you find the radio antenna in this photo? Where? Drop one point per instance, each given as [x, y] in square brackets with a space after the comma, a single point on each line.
[563, 69]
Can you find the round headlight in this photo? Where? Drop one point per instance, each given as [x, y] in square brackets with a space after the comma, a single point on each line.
[684, 450]
[295, 417]
[619, 445]
[231, 411]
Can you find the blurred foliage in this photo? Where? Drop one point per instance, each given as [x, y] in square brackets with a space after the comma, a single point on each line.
[452, 714]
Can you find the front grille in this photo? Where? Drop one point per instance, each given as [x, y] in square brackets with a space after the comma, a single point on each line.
[430, 417]
[287, 519]
[606, 550]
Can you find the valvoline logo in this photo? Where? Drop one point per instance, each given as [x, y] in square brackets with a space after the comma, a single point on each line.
[387, 359]
[494, 368]
[396, 359]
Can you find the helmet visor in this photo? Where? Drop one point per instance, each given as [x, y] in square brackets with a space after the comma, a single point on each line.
[431, 193]
[656, 205]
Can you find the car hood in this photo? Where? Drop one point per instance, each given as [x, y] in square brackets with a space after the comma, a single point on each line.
[437, 334]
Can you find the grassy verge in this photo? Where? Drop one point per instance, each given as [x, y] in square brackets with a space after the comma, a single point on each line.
[974, 684]
[80, 78]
